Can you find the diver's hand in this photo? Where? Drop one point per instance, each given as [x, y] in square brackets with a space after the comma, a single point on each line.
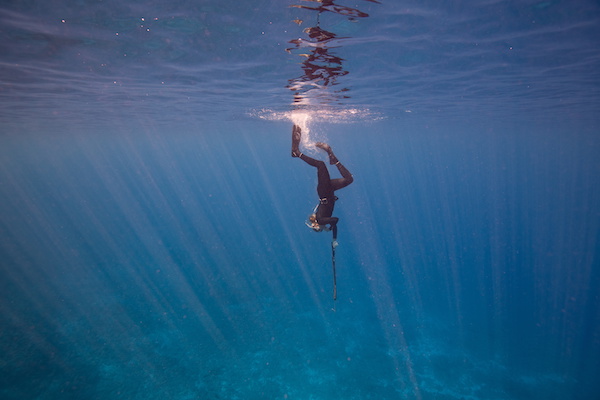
[334, 243]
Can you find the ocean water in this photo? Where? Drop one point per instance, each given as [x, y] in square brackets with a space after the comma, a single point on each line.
[152, 236]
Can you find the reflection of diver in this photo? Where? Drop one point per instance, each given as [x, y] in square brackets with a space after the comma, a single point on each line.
[329, 5]
[321, 67]
[322, 214]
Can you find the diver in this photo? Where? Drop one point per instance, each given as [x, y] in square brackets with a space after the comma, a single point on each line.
[322, 214]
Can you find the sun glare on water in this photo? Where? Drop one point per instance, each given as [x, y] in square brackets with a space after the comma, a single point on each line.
[306, 118]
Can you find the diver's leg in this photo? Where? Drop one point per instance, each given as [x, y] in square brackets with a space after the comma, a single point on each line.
[324, 180]
[346, 179]
[346, 175]
[322, 172]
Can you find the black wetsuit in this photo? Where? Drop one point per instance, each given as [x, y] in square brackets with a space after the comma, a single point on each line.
[326, 188]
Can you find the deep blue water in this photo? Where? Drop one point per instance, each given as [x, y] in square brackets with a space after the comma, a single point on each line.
[152, 237]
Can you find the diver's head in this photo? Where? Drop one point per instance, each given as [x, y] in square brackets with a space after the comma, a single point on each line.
[313, 224]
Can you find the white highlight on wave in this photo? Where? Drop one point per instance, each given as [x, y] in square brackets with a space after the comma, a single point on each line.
[344, 116]
[305, 118]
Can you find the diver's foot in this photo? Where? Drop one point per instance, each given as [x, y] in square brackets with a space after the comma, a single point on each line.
[332, 158]
[296, 136]
[323, 146]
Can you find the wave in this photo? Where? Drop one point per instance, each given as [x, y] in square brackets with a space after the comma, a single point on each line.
[334, 116]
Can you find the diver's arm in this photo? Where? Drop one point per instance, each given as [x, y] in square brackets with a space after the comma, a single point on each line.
[332, 221]
[328, 220]
[334, 242]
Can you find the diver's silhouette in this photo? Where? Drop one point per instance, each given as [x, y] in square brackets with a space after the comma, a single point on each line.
[322, 214]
